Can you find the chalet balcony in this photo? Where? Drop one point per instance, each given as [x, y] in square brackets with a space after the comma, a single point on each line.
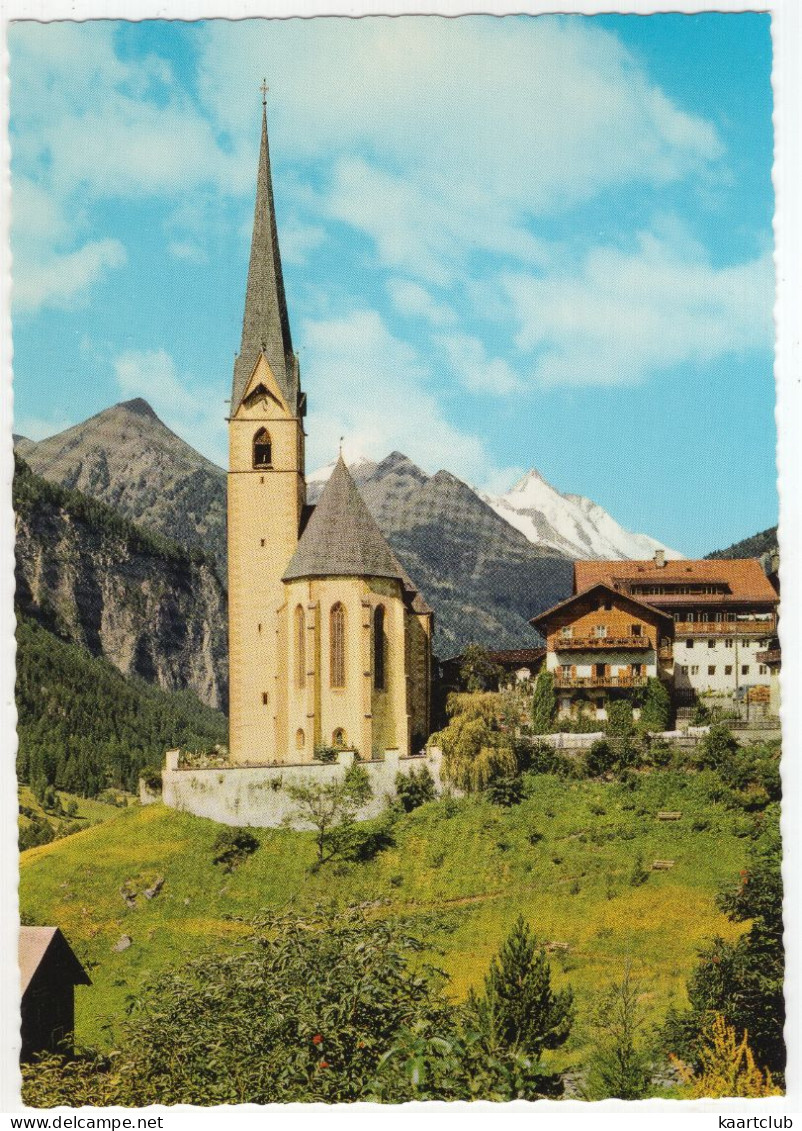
[766, 627]
[594, 643]
[628, 681]
[666, 653]
[770, 656]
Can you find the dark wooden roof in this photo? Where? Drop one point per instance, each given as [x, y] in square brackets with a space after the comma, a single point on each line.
[47, 944]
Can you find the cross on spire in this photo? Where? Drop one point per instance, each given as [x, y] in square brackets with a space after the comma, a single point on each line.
[264, 89]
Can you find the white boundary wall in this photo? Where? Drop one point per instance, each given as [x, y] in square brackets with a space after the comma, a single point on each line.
[257, 797]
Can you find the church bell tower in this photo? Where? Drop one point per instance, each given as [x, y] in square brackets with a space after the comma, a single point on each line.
[266, 487]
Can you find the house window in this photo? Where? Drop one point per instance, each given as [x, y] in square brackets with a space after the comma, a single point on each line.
[635, 629]
[762, 669]
[600, 631]
[337, 646]
[300, 739]
[264, 698]
[711, 669]
[711, 643]
[300, 647]
[728, 643]
[262, 449]
[566, 633]
[338, 739]
[689, 644]
[744, 669]
[719, 618]
[694, 669]
[565, 671]
[378, 648]
[637, 670]
[689, 618]
[677, 617]
[728, 669]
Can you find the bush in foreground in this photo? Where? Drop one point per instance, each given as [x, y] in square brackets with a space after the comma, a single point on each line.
[327, 1008]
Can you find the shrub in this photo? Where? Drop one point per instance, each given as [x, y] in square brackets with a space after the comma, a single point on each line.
[364, 841]
[232, 846]
[505, 791]
[600, 759]
[326, 754]
[717, 749]
[655, 713]
[639, 875]
[620, 723]
[727, 1067]
[540, 758]
[151, 777]
[415, 788]
[36, 832]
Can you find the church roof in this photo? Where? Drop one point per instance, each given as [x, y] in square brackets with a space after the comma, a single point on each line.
[342, 539]
[265, 325]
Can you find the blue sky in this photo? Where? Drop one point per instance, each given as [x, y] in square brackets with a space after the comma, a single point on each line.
[508, 243]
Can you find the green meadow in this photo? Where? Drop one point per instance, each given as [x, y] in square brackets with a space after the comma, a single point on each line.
[459, 871]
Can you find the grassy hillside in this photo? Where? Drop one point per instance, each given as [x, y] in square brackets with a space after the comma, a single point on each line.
[461, 870]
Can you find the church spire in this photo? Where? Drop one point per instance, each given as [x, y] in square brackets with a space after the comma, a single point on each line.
[265, 325]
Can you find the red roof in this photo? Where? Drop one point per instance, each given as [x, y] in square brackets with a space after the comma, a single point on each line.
[744, 578]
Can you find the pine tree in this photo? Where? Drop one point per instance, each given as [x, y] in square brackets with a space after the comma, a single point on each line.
[519, 1011]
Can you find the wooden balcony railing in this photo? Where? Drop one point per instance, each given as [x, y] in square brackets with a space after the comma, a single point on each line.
[563, 681]
[592, 643]
[726, 627]
[770, 656]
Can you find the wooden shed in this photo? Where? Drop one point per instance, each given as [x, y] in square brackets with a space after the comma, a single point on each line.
[49, 973]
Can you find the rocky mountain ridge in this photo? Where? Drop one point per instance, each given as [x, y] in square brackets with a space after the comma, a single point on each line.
[151, 607]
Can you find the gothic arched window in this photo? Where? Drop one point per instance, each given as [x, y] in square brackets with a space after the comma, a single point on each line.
[378, 648]
[338, 739]
[262, 449]
[300, 739]
[300, 647]
[337, 646]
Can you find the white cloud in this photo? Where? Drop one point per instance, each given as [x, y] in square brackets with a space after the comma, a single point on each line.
[414, 301]
[475, 369]
[378, 396]
[627, 315]
[62, 280]
[193, 412]
[187, 250]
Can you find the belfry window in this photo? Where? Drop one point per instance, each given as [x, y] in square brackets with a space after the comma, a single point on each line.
[300, 647]
[378, 648]
[262, 449]
[337, 646]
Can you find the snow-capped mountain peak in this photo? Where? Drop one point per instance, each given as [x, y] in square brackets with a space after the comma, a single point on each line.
[570, 524]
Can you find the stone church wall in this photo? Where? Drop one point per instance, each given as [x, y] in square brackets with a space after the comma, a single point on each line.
[257, 796]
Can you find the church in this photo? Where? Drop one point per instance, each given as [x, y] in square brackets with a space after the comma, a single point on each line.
[329, 641]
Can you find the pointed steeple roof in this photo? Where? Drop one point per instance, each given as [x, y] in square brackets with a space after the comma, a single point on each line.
[265, 325]
[341, 538]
